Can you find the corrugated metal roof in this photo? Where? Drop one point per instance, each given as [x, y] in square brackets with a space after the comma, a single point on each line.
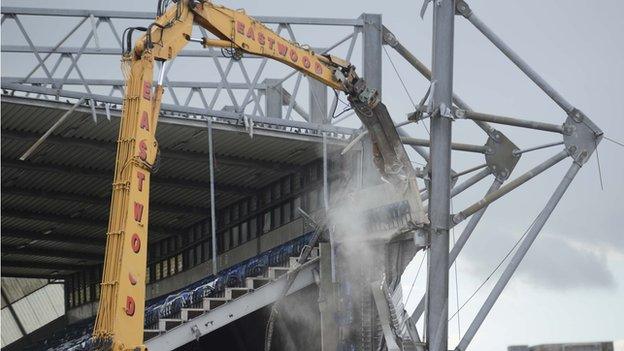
[51, 272]
[28, 258]
[77, 161]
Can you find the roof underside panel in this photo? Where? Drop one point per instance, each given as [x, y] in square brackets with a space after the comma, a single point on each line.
[55, 205]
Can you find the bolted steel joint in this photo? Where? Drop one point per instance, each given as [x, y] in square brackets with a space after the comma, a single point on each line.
[577, 115]
[443, 111]
[421, 238]
[581, 136]
[389, 38]
[196, 332]
[568, 129]
[462, 8]
[438, 231]
[501, 155]
[459, 113]
[455, 219]
[418, 115]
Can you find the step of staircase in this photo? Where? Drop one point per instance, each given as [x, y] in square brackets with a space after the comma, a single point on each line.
[254, 283]
[165, 324]
[150, 333]
[192, 323]
[210, 303]
[234, 293]
[276, 272]
[190, 313]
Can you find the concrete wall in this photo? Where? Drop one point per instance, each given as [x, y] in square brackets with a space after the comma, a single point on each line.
[174, 282]
[81, 312]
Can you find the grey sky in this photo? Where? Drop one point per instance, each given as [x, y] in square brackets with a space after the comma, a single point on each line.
[571, 285]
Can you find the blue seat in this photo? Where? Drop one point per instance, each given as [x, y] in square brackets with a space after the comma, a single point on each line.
[77, 336]
[257, 266]
[236, 275]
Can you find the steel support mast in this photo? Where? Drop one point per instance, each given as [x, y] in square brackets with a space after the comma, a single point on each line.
[440, 168]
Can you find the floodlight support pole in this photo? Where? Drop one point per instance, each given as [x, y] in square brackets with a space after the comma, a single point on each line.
[518, 256]
[440, 162]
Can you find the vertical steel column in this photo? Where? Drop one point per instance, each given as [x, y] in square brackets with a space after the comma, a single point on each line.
[518, 256]
[325, 171]
[318, 101]
[213, 224]
[371, 72]
[440, 165]
[371, 50]
[273, 98]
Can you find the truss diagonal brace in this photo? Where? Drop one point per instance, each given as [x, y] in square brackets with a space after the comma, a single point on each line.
[463, 9]
[390, 39]
[518, 256]
[50, 130]
[488, 199]
[516, 122]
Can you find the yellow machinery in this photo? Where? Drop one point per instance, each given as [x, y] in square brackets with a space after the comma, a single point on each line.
[120, 318]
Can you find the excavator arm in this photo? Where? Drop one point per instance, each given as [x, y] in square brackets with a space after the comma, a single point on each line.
[120, 318]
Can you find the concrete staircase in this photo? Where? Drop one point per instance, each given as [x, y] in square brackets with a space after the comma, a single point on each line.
[211, 304]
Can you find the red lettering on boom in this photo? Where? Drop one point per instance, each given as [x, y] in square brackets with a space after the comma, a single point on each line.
[306, 62]
[250, 33]
[271, 42]
[282, 49]
[240, 27]
[138, 212]
[130, 306]
[261, 38]
[135, 242]
[293, 56]
[141, 178]
[147, 90]
[318, 69]
[142, 150]
[145, 121]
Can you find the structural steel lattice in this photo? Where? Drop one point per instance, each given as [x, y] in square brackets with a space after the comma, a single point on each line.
[67, 69]
[260, 101]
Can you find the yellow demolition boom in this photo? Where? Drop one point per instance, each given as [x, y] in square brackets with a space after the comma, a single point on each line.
[120, 318]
